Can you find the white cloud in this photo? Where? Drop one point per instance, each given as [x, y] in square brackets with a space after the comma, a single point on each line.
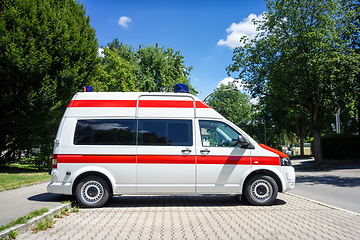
[238, 83]
[124, 20]
[100, 52]
[255, 100]
[237, 30]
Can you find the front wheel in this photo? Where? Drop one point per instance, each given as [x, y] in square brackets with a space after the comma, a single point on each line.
[261, 190]
[92, 191]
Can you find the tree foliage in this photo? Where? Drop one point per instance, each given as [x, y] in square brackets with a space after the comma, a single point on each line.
[48, 51]
[354, 39]
[153, 68]
[115, 75]
[300, 58]
[233, 105]
[284, 122]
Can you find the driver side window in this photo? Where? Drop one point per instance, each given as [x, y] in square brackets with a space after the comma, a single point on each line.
[217, 134]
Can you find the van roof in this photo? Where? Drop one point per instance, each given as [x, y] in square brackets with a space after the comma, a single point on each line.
[138, 104]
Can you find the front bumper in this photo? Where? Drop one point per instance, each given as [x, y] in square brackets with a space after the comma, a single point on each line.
[290, 180]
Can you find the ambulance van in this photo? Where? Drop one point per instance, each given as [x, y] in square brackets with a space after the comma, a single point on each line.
[117, 143]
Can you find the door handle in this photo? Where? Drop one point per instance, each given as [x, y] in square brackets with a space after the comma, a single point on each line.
[205, 151]
[186, 151]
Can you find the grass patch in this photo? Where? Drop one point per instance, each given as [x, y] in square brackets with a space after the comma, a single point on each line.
[13, 234]
[15, 175]
[43, 225]
[74, 209]
[15, 180]
[23, 220]
[66, 212]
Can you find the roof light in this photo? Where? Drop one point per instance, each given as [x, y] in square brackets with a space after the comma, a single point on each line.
[181, 88]
[87, 89]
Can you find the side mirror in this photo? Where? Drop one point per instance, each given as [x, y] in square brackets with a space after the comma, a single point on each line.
[243, 141]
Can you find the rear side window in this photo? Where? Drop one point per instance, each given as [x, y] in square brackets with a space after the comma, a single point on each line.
[105, 132]
[165, 132]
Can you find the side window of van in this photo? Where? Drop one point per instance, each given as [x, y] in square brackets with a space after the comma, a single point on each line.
[105, 132]
[165, 132]
[217, 134]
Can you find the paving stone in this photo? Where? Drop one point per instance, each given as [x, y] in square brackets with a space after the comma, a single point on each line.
[204, 217]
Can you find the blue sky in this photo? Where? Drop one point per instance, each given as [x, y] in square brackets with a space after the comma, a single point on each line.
[205, 32]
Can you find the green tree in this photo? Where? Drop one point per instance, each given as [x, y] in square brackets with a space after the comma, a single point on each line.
[300, 58]
[115, 74]
[354, 39]
[155, 69]
[286, 121]
[48, 51]
[232, 104]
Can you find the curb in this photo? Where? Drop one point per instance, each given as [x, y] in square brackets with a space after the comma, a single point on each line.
[22, 228]
[324, 204]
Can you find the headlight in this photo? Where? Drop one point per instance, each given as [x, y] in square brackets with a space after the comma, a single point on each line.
[285, 161]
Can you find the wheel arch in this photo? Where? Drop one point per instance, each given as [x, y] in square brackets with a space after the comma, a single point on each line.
[265, 172]
[92, 173]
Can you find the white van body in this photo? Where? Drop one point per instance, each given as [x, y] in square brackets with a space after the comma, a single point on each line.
[115, 143]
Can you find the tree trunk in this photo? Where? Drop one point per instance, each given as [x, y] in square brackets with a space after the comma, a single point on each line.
[358, 111]
[317, 146]
[314, 111]
[19, 156]
[300, 129]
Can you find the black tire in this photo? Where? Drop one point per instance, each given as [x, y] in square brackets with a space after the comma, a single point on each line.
[261, 190]
[92, 192]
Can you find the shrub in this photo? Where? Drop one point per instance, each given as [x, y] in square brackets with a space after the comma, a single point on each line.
[341, 146]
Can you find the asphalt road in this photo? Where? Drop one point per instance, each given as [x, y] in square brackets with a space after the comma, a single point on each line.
[20, 202]
[338, 186]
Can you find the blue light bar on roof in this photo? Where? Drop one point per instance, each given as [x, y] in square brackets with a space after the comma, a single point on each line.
[181, 88]
[87, 89]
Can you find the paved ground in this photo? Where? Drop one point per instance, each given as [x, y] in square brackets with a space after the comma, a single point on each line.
[204, 217]
[185, 217]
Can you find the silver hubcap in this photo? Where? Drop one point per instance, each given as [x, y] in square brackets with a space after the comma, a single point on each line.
[261, 190]
[92, 191]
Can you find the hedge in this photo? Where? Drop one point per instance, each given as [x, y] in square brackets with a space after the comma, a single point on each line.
[340, 146]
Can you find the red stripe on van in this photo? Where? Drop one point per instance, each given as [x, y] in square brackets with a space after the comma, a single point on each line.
[102, 103]
[166, 104]
[200, 104]
[69, 158]
[265, 161]
[281, 154]
[231, 160]
[142, 103]
[166, 159]
[150, 159]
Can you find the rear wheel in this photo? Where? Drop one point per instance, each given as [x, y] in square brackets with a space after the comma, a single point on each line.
[92, 191]
[261, 190]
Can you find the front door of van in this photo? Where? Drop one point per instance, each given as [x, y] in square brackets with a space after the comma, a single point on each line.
[221, 164]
